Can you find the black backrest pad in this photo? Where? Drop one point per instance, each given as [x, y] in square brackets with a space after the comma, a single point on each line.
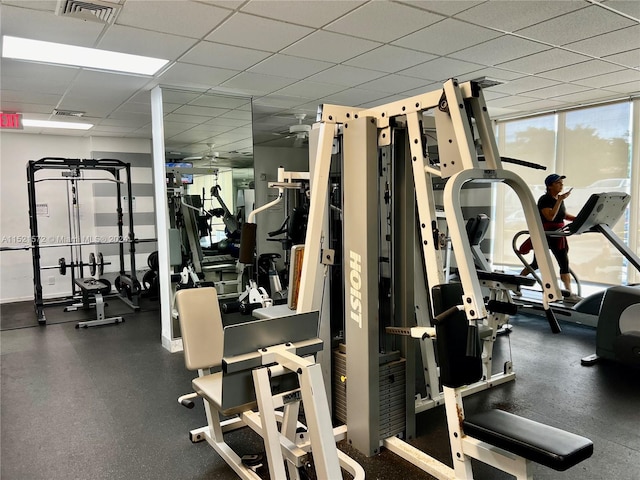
[456, 368]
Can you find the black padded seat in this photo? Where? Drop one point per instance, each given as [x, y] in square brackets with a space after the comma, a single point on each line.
[506, 278]
[92, 286]
[534, 441]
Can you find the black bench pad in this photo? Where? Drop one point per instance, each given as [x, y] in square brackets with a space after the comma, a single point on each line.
[534, 441]
[506, 278]
[91, 285]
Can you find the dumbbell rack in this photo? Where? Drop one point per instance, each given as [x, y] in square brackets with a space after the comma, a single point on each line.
[128, 286]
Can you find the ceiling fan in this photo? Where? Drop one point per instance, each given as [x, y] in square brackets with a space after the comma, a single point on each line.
[208, 156]
[299, 132]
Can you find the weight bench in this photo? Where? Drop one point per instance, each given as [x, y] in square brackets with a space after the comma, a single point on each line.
[90, 287]
[503, 440]
[539, 443]
[251, 370]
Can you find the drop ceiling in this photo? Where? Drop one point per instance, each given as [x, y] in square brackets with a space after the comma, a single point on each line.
[287, 57]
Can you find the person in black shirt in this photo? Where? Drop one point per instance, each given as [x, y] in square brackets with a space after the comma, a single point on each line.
[554, 213]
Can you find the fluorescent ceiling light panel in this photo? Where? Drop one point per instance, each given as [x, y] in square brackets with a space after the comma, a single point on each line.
[51, 124]
[48, 52]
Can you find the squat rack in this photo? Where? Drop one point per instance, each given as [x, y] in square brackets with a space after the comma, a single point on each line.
[128, 285]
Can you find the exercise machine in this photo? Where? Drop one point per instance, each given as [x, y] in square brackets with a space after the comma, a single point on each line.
[392, 134]
[599, 214]
[618, 333]
[249, 371]
[72, 172]
[255, 295]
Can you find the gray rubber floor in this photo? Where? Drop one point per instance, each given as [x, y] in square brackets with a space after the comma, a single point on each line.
[101, 404]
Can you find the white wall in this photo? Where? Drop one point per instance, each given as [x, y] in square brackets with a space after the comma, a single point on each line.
[16, 149]
[266, 163]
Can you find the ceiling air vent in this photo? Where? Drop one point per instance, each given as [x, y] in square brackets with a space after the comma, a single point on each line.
[95, 11]
[68, 113]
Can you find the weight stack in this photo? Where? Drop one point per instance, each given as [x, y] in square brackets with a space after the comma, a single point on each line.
[392, 382]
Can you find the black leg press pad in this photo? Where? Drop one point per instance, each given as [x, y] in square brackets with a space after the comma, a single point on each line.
[534, 441]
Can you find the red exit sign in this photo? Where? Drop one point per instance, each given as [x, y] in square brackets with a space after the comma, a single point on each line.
[11, 120]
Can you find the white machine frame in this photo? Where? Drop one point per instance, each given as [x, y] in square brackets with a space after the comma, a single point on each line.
[364, 131]
[288, 445]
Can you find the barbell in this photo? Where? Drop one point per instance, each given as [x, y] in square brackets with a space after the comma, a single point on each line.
[93, 264]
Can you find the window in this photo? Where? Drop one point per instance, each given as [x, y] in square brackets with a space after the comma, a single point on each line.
[592, 147]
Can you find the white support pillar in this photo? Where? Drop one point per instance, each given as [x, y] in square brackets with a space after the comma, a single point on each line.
[162, 220]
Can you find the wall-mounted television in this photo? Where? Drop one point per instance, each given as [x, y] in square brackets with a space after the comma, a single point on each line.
[187, 178]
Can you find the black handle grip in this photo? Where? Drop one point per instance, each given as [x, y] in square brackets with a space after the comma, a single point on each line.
[187, 403]
[439, 319]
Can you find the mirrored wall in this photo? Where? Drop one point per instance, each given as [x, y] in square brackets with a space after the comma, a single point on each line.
[204, 182]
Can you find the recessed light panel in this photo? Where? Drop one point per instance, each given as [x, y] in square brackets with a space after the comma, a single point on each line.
[59, 53]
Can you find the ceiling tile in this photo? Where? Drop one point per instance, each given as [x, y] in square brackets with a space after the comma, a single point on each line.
[48, 5]
[382, 21]
[626, 88]
[523, 84]
[353, 97]
[227, 122]
[510, 101]
[541, 105]
[198, 111]
[244, 30]
[544, 61]
[630, 58]
[581, 70]
[609, 43]
[441, 69]
[312, 14]
[429, 87]
[238, 115]
[288, 66]
[36, 77]
[144, 42]
[511, 16]
[346, 75]
[575, 26]
[212, 54]
[41, 25]
[496, 112]
[614, 78]
[629, 7]
[443, 7]
[188, 19]
[220, 101]
[17, 97]
[492, 72]
[170, 95]
[587, 96]
[195, 76]
[330, 47]
[108, 86]
[280, 101]
[94, 108]
[257, 84]
[446, 36]
[231, 4]
[556, 90]
[311, 89]
[389, 58]
[395, 84]
[500, 50]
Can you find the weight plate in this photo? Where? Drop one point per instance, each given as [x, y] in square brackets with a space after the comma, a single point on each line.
[92, 264]
[63, 266]
[100, 264]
